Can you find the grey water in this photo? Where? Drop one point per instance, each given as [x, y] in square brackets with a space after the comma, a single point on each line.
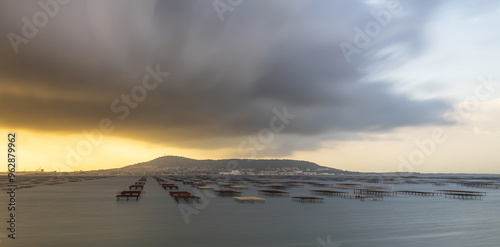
[87, 214]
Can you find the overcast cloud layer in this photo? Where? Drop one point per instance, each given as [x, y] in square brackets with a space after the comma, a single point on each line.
[225, 76]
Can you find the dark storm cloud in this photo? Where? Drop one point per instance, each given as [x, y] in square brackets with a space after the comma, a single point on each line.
[225, 76]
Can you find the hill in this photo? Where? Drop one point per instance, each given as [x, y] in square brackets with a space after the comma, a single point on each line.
[179, 164]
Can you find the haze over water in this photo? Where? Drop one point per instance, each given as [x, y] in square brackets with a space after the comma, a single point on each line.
[87, 214]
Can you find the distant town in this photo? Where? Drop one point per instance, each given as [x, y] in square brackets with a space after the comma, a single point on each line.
[192, 171]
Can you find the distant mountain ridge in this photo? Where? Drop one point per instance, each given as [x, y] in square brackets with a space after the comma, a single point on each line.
[169, 163]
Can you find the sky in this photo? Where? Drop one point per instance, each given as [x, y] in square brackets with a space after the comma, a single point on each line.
[371, 86]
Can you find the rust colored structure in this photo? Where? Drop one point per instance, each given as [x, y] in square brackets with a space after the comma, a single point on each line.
[227, 193]
[417, 193]
[136, 186]
[328, 192]
[273, 193]
[307, 199]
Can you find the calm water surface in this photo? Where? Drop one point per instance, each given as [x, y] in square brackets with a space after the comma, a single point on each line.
[87, 214]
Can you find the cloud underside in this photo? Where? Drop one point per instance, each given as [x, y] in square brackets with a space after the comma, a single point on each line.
[225, 77]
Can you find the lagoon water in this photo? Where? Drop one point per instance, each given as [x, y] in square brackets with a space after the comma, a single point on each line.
[87, 214]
